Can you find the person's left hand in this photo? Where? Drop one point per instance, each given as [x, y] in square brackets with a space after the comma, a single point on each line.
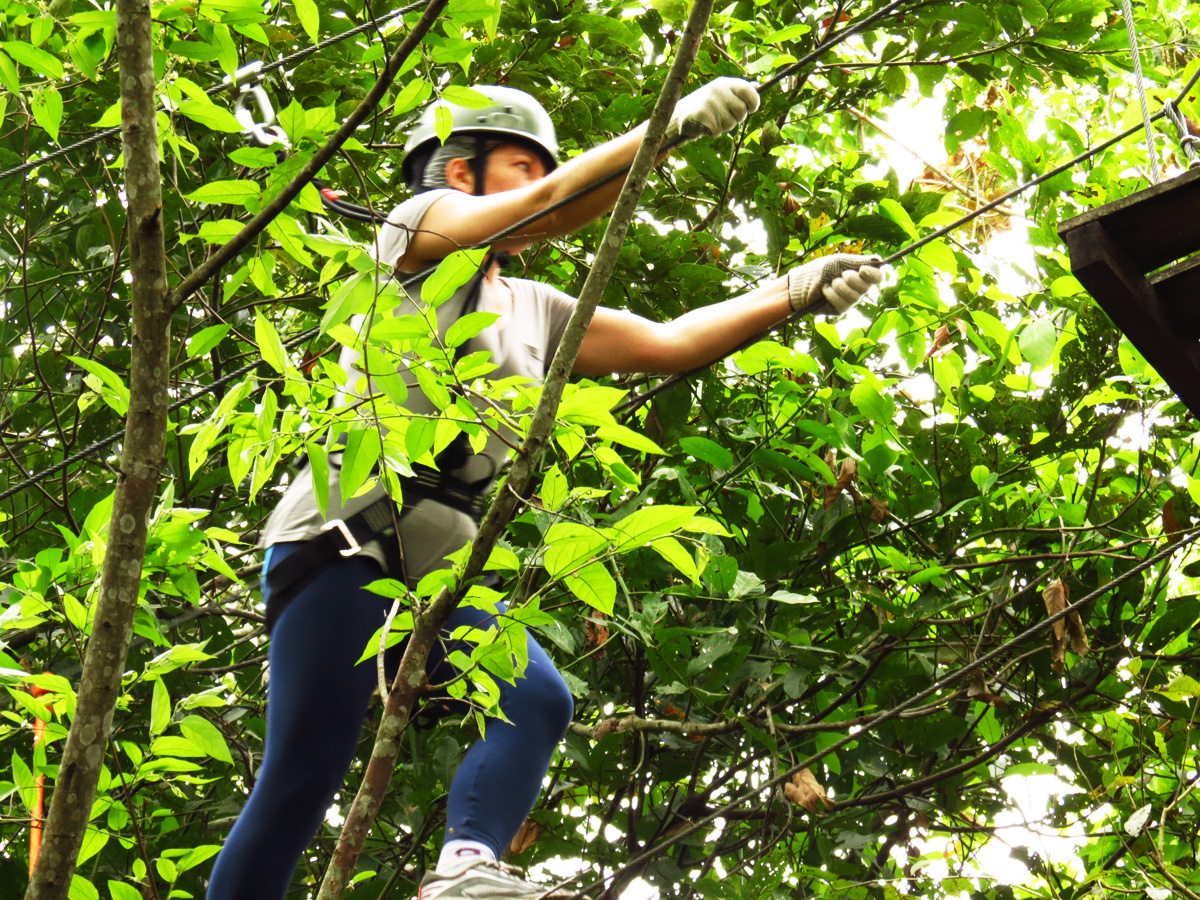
[839, 280]
[713, 109]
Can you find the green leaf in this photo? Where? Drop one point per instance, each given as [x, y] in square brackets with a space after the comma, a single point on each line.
[468, 326]
[269, 344]
[465, 96]
[875, 405]
[793, 599]
[554, 489]
[786, 34]
[452, 273]
[204, 340]
[107, 383]
[204, 735]
[595, 587]
[361, 455]
[82, 889]
[708, 451]
[676, 554]
[160, 708]
[24, 780]
[627, 437]
[443, 123]
[47, 106]
[39, 30]
[416, 91]
[1037, 341]
[651, 522]
[310, 19]
[568, 544]
[118, 890]
[239, 192]
[895, 212]
[12, 81]
[318, 460]
[38, 60]
[210, 115]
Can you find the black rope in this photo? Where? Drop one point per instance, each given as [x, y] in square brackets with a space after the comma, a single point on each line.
[299, 55]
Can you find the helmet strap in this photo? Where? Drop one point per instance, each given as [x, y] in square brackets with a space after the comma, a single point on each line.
[479, 164]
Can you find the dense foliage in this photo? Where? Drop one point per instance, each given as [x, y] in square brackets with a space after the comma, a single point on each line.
[732, 575]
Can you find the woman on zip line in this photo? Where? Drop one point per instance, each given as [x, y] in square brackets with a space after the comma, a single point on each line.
[498, 166]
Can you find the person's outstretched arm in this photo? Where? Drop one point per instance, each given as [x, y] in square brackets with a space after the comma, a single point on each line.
[463, 219]
[618, 341]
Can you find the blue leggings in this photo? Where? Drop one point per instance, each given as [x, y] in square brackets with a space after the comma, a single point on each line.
[316, 704]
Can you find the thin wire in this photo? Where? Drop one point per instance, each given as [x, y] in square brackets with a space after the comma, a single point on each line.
[633, 402]
[302, 54]
[1151, 149]
[639, 400]
[939, 685]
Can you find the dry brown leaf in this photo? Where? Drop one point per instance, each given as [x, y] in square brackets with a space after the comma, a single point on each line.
[847, 475]
[979, 691]
[939, 337]
[879, 510]
[526, 836]
[1066, 633]
[597, 631]
[1170, 524]
[803, 790]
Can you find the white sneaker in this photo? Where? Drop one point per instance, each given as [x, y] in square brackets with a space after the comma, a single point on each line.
[483, 880]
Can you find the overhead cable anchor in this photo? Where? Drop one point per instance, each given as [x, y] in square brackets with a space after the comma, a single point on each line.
[1187, 140]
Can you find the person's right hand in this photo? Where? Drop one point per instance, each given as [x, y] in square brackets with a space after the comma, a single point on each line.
[713, 109]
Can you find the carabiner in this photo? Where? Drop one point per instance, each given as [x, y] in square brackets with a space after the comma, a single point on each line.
[260, 128]
[265, 133]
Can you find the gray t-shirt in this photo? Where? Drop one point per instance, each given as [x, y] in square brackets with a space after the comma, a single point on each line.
[521, 343]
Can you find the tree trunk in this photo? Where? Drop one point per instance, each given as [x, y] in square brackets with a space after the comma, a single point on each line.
[411, 676]
[141, 464]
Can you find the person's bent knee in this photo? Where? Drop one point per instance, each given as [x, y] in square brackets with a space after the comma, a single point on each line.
[555, 705]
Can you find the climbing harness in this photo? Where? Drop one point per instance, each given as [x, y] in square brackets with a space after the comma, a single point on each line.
[341, 538]
[377, 522]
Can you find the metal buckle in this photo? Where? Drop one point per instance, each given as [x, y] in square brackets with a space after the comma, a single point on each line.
[353, 547]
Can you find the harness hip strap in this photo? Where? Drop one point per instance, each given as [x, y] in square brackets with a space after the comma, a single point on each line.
[346, 537]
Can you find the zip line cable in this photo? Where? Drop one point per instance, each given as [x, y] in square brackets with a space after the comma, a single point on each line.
[633, 402]
[1151, 146]
[229, 83]
[939, 685]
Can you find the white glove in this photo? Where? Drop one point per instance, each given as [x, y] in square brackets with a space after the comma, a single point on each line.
[713, 109]
[840, 280]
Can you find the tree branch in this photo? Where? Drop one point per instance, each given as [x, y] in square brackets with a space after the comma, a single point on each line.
[141, 465]
[326, 152]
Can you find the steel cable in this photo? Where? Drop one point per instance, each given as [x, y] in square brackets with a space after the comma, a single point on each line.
[633, 402]
[298, 56]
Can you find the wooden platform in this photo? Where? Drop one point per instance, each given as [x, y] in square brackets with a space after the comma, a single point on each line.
[1119, 251]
